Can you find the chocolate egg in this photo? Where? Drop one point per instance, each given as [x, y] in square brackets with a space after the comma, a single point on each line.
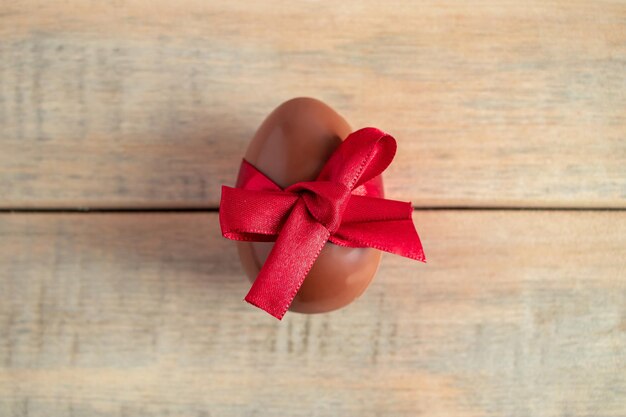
[292, 145]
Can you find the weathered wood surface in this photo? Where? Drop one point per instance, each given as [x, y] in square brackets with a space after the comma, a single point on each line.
[148, 104]
[518, 313]
[151, 103]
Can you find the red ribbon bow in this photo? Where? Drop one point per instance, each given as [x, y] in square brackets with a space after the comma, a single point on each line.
[303, 217]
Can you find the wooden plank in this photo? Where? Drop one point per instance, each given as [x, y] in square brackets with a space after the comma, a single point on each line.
[517, 313]
[151, 103]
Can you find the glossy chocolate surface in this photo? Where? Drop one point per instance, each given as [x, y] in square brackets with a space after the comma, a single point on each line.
[290, 146]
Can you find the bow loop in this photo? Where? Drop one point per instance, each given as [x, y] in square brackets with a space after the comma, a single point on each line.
[326, 201]
[357, 161]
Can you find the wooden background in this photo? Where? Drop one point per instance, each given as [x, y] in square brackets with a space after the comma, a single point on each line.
[119, 120]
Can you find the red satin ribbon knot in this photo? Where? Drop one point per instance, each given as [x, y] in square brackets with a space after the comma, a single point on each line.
[304, 216]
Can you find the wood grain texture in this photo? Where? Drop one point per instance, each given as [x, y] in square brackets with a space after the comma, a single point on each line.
[518, 313]
[151, 103]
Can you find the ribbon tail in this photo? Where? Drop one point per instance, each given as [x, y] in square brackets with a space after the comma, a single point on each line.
[298, 245]
[382, 224]
[394, 236]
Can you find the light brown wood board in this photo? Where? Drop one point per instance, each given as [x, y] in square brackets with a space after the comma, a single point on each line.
[151, 103]
[517, 313]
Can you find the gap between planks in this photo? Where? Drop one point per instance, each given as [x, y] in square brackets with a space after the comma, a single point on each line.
[164, 210]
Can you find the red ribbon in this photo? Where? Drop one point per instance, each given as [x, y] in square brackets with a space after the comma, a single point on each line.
[304, 216]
